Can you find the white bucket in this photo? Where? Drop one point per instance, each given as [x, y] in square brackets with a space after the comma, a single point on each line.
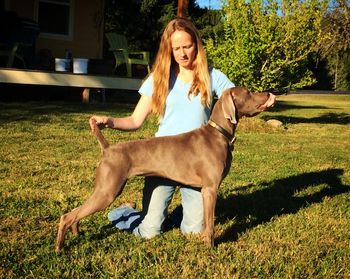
[62, 65]
[80, 65]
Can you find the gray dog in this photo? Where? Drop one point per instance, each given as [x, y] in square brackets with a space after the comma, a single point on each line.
[204, 162]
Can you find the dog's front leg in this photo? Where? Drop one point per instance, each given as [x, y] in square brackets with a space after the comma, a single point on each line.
[209, 194]
[66, 221]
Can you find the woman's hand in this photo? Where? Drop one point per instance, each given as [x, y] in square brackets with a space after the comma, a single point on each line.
[269, 103]
[129, 123]
[101, 121]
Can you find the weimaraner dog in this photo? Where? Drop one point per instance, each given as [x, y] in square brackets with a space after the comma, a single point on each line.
[204, 162]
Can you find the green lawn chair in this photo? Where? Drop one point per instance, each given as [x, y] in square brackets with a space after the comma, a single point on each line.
[119, 46]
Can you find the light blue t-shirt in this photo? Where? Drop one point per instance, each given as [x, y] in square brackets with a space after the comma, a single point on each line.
[183, 112]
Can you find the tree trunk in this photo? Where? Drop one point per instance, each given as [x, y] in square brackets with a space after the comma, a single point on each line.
[182, 8]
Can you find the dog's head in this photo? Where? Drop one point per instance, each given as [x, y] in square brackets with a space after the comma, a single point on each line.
[239, 101]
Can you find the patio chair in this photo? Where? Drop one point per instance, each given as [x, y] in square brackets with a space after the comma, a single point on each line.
[119, 46]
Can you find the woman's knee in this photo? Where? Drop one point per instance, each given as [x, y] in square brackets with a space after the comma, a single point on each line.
[193, 216]
[157, 196]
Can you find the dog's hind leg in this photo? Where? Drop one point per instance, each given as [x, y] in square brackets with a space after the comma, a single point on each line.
[108, 185]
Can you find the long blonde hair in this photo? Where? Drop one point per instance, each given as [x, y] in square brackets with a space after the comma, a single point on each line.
[164, 61]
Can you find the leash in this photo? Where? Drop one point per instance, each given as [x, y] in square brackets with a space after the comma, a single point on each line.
[231, 138]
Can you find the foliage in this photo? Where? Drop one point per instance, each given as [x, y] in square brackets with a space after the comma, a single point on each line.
[268, 44]
[208, 22]
[343, 80]
[282, 212]
[260, 44]
[335, 46]
[141, 21]
[133, 17]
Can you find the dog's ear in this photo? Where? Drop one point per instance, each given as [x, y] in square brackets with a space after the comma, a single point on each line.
[228, 106]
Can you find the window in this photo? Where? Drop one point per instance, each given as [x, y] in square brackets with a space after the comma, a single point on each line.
[55, 18]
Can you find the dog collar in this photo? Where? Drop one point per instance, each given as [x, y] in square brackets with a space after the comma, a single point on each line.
[231, 138]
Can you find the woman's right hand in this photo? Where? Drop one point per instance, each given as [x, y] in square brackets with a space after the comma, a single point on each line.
[101, 121]
[129, 123]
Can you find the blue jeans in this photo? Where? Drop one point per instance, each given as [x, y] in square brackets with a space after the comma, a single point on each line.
[157, 195]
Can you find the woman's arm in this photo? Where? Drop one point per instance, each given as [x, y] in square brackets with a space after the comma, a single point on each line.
[132, 122]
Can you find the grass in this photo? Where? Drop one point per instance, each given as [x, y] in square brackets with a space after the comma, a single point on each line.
[283, 211]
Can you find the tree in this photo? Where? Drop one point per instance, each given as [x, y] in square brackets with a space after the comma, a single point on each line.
[143, 21]
[335, 46]
[268, 43]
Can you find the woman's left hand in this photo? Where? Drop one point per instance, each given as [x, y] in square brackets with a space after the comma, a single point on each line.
[269, 103]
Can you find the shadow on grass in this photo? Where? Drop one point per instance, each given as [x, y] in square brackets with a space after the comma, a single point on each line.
[276, 198]
[43, 113]
[326, 118]
[283, 106]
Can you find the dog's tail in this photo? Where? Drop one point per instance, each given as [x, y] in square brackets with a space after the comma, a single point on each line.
[100, 138]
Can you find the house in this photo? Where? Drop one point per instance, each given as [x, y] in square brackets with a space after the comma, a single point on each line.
[67, 28]
[65, 25]
[74, 26]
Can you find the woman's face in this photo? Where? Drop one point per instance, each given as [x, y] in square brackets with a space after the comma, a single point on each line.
[184, 49]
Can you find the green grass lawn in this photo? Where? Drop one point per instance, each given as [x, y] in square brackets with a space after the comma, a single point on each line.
[282, 212]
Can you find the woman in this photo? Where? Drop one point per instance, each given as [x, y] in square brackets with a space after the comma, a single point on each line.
[179, 90]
